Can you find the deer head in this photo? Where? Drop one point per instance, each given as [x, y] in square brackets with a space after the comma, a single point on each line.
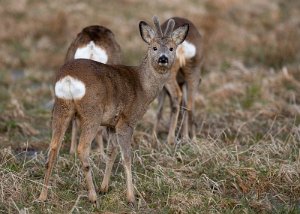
[162, 45]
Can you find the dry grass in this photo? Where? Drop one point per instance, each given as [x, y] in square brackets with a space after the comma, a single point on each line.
[246, 158]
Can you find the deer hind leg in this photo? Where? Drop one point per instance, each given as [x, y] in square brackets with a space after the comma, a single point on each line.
[176, 95]
[61, 116]
[88, 132]
[192, 83]
[185, 116]
[100, 146]
[111, 157]
[74, 135]
[161, 99]
[124, 135]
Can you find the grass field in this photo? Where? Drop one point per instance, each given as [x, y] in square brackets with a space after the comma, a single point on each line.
[246, 158]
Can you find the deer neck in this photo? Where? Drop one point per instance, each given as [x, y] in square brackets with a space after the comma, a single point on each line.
[152, 82]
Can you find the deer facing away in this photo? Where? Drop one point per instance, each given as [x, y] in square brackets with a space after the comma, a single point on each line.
[97, 43]
[115, 96]
[183, 82]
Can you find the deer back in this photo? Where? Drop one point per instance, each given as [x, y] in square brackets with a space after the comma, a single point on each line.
[97, 43]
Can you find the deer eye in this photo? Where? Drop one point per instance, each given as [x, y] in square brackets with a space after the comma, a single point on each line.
[155, 48]
[171, 49]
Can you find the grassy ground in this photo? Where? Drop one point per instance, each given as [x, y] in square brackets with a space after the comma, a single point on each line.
[246, 158]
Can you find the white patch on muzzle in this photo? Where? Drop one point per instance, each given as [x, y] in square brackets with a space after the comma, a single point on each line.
[93, 52]
[185, 50]
[69, 88]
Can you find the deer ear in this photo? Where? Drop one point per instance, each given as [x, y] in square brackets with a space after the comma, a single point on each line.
[180, 34]
[146, 32]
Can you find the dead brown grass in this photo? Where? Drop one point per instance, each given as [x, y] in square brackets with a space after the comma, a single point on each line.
[246, 158]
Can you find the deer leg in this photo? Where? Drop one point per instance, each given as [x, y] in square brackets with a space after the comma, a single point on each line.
[124, 135]
[87, 135]
[111, 157]
[74, 136]
[60, 120]
[189, 125]
[185, 127]
[161, 99]
[100, 146]
[175, 93]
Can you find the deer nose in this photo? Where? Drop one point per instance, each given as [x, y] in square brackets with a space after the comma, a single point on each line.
[163, 59]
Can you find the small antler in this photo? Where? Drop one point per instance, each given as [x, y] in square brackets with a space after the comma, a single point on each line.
[157, 26]
[169, 28]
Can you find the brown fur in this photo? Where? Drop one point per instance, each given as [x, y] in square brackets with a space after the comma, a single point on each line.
[104, 38]
[115, 96]
[185, 73]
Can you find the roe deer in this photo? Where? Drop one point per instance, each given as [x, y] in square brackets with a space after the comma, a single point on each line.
[96, 43]
[115, 96]
[184, 73]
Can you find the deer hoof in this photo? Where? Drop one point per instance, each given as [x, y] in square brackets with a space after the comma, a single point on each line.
[92, 197]
[171, 140]
[103, 189]
[43, 196]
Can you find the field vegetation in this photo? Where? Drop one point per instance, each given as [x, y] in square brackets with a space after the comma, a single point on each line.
[246, 158]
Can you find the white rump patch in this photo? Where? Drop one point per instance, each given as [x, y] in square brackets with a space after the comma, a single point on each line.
[189, 50]
[69, 88]
[93, 52]
[185, 50]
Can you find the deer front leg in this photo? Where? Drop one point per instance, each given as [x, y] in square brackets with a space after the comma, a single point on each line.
[60, 122]
[111, 157]
[87, 135]
[124, 135]
[176, 95]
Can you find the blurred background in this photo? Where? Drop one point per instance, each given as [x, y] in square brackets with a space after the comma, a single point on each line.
[249, 98]
[248, 44]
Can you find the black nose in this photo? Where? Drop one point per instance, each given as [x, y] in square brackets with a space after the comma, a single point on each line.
[163, 59]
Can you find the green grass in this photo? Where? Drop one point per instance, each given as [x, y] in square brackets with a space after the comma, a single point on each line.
[253, 93]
